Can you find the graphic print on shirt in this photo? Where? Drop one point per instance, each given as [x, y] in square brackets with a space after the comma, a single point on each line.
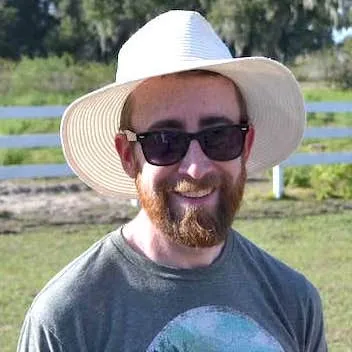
[213, 328]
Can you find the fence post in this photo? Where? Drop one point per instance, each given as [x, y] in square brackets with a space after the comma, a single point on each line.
[278, 181]
[134, 203]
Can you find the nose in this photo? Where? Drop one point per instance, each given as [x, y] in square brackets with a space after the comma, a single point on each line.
[195, 163]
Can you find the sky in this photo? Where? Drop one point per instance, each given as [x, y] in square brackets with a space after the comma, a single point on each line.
[340, 35]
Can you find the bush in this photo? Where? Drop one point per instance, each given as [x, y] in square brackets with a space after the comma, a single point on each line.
[332, 181]
[313, 67]
[6, 70]
[58, 75]
[12, 157]
[333, 65]
[297, 176]
[340, 71]
[326, 180]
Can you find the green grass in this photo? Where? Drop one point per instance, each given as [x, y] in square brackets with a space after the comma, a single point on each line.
[329, 119]
[320, 246]
[320, 92]
[27, 126]
[39, 98]
[31, 156]
[61, 80]
[326, 145]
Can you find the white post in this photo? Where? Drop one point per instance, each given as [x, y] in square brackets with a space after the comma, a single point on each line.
[134, 203]
[278, 181]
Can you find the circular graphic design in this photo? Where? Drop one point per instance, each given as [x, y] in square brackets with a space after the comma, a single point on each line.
[213, 329]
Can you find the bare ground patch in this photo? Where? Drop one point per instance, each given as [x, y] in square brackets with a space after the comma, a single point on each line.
[37, 204]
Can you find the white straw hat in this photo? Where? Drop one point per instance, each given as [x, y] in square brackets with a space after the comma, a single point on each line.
[172, 42]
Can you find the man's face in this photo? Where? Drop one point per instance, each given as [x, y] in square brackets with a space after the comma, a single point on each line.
[193, 201]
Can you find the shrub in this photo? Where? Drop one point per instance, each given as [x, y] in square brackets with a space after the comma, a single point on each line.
[313, 67]
[333, 65]
[6, 70]
[340, 71]
[297, 176]
[12, 157]
[58, 75]
[326, 180]
[332, 181]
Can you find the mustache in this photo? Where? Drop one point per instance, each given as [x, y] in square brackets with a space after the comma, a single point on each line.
[188, 184]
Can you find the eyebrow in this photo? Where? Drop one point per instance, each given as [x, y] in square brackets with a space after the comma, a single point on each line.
[168, 123]
[215, 120]
[204, 122]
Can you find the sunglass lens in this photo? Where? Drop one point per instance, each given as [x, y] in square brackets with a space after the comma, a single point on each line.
[223, 143]
[164, 147]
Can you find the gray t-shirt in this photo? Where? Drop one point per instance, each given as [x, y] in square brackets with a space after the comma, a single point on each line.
[114, 299]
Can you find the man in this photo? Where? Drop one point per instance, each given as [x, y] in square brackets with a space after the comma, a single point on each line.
[181, 128]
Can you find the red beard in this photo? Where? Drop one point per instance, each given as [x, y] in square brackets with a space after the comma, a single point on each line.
[196, 226]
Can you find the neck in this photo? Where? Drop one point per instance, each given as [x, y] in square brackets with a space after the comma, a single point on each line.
[145, 238]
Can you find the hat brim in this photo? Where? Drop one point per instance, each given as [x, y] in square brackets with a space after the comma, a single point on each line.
[274, 102]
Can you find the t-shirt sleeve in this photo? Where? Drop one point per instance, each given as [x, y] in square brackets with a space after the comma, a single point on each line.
[36, 337]
[315, 335]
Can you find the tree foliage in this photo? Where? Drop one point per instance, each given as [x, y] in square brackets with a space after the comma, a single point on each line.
[71, 34]
[280, 29]
[340, 70]
[7, 19]
[27, 25]
[96, 29]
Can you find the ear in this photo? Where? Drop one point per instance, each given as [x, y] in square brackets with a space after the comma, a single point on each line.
[125, 150]
[249, 142]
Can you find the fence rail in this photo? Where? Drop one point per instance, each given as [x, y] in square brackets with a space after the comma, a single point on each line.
[31, 112]
[59, 170]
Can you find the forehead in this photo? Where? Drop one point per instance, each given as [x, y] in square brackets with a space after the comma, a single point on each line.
[187, 98]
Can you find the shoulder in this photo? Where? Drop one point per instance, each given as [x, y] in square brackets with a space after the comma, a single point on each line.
[74, 286]
[76, 302]
[276, 279]
[271, 268]
[289, 291]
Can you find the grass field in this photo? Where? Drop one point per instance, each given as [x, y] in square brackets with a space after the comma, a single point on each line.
[320, 246]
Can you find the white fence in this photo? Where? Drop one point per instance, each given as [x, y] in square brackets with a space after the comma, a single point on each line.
[58, 170]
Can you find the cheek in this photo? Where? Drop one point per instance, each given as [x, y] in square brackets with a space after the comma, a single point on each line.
[153, 177]
[139, 159]
[231, 168]
[138, 154]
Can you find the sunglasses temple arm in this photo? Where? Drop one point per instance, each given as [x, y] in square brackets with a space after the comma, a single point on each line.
[131, 136]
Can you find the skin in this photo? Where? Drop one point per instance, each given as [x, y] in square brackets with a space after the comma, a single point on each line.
[189, 103]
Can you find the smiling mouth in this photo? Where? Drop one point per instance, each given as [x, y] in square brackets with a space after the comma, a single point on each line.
[196, 194]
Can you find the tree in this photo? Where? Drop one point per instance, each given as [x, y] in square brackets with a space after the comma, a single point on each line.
[340, 71]
[7, 19]
[114, 21]
[29, 27]
[280, 29]
[345, 11]
[72, 35]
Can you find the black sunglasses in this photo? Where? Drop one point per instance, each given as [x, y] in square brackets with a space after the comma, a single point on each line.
[164, 148]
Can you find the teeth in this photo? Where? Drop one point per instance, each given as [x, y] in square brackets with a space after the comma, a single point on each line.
[197, 194]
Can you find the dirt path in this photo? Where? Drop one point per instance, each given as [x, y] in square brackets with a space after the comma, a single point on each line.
[70, 202]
